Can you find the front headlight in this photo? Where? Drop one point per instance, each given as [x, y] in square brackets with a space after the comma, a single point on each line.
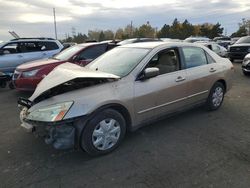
[30, 73]
[50, 113]
[246, 61]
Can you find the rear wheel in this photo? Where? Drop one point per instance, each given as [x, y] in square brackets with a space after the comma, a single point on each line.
[103, 133]
[216, 96]
[11, 85]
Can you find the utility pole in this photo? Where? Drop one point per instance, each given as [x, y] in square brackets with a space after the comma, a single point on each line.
[131, 29]
[54, 13]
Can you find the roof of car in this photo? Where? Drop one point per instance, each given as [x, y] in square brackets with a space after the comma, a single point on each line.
[93, 43]
[152, 45]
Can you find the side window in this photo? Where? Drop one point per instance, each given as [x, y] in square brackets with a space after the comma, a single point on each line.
[10, 48]
[26, 47]
[210, 59]
[92, 52]
[167, 61]
[194, 56]
[47, 46]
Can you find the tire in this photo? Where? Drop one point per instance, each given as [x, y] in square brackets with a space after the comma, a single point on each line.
[11, 85]
[216, 96]
[103, 133]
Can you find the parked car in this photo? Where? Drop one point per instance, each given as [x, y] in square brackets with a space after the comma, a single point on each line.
[223, 41]
[19, 51]
[125, 88]
[220, 50]
[246, 65]
[170, 40]
[68, 44]
[195, 39]
[240, 49]
[234, 40]
[28, 75]
[136, 40]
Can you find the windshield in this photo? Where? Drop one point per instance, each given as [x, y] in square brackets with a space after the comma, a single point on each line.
[68, 53]
[119, 61]
[243, 40]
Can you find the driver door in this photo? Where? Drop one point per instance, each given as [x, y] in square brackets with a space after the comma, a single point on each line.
[164, 93]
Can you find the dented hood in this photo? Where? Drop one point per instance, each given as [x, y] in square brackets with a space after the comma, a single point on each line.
[64, 73]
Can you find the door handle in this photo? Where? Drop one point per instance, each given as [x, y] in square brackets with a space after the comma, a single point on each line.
[20, 56]
[44, 54]
[212, 70]
[180, 79]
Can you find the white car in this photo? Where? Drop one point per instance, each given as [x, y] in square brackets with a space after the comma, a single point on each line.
[246, 65]
[19, 51]
[220, 50]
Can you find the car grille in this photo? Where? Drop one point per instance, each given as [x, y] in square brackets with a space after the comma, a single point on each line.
[239, 49]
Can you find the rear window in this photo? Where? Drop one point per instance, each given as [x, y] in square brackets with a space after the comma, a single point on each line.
[46, 46]
[92, 52]
[194, 56]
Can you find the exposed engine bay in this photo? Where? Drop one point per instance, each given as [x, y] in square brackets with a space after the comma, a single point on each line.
[75, 84]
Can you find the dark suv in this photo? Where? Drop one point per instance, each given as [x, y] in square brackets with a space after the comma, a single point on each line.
[240, 49]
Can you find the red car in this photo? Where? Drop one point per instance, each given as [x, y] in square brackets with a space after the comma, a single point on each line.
[28, 75]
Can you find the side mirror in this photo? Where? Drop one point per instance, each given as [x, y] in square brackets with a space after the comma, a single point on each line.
[150, 73]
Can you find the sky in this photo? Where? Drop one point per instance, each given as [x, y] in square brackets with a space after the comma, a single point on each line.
[34, 18]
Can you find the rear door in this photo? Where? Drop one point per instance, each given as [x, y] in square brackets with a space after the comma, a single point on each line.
[48, 48]
[164, 93]
[201, 71]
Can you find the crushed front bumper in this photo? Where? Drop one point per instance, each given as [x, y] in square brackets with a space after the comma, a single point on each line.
[63, 134]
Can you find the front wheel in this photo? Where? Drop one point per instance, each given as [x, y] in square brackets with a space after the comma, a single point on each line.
[103, 133]
[216, 96]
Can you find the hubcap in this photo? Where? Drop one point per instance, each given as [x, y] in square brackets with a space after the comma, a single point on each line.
[106, 134]
[217, 96]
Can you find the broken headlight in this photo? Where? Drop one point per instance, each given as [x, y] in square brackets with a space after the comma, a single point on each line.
[50, 113]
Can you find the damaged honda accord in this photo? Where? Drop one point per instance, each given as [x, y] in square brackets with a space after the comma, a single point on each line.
[93, 107]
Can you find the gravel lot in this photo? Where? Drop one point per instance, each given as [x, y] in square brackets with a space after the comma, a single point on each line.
[193, 149]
